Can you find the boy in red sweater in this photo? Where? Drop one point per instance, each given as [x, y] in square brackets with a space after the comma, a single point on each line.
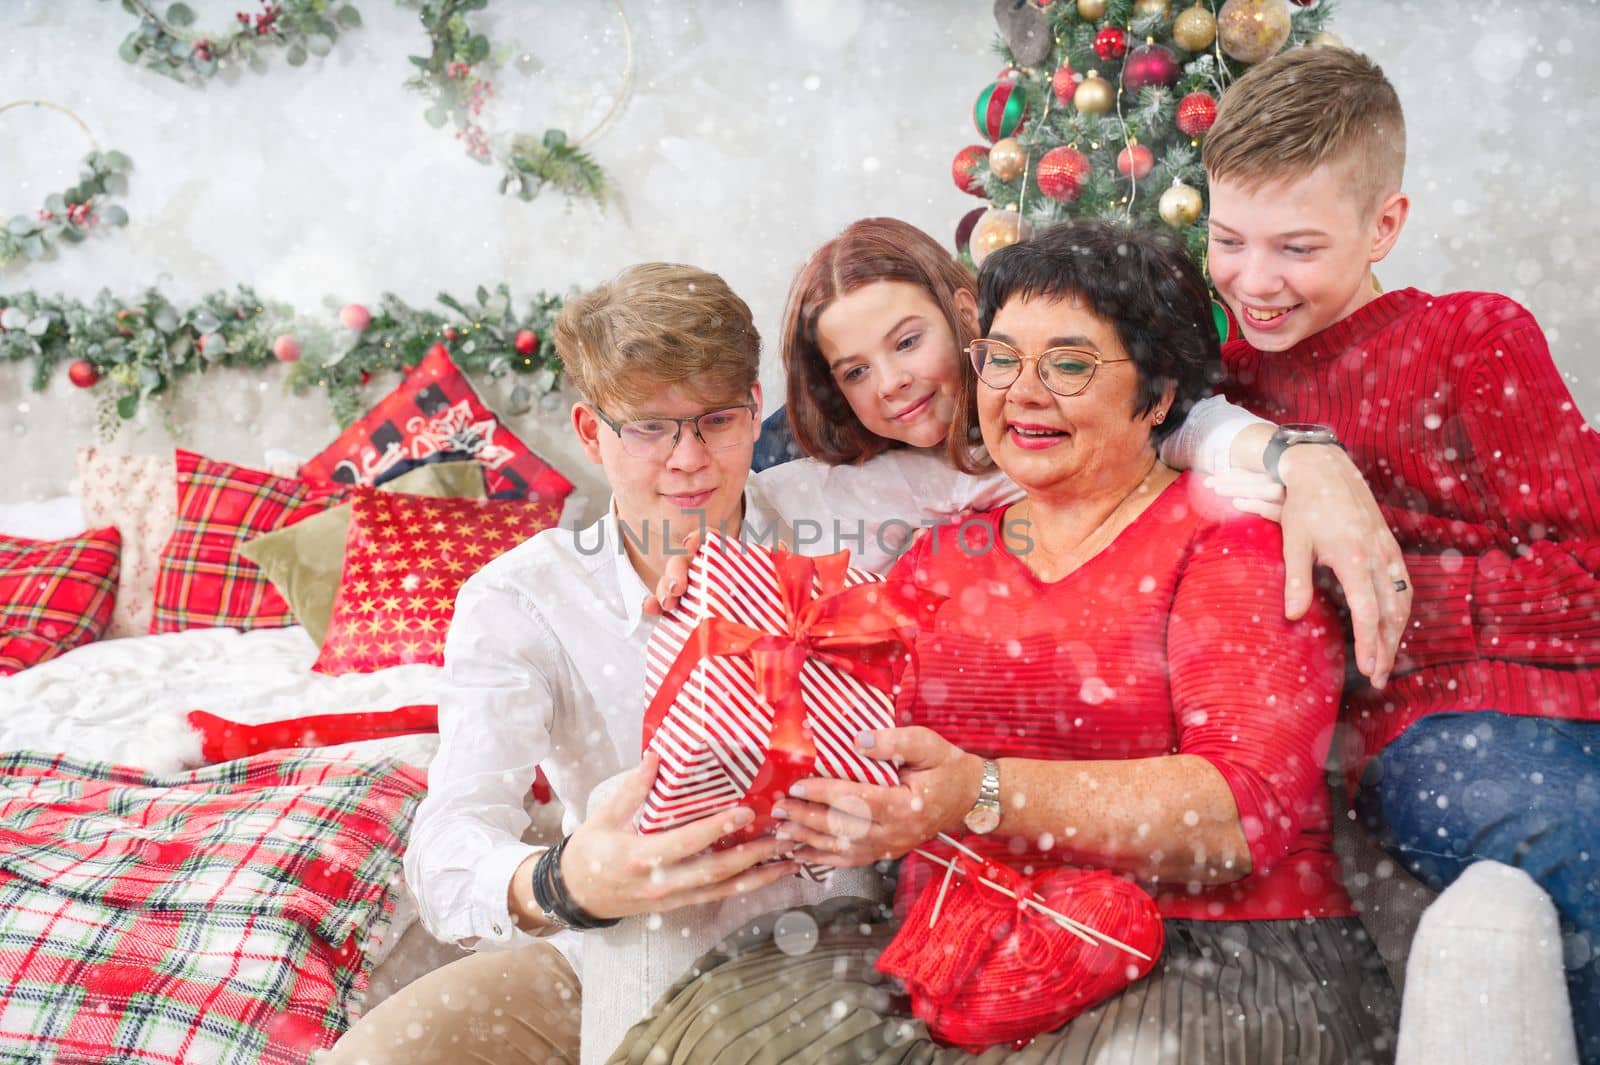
[1485, 744]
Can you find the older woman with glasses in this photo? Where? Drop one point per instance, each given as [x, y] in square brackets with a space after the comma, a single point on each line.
[1108, 685]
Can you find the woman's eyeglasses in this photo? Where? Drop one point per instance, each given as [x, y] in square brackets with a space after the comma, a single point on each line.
[655, 438]
[1064, 371]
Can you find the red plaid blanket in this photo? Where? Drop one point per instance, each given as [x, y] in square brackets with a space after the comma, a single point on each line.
[221, 916]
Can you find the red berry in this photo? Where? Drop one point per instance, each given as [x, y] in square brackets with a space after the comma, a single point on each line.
[83, 374]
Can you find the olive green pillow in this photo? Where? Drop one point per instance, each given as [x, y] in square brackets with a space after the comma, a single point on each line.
[305, 560]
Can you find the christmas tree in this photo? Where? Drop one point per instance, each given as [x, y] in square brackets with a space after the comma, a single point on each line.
[1103, 107]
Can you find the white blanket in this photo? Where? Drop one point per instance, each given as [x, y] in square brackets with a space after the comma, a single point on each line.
[125, 700]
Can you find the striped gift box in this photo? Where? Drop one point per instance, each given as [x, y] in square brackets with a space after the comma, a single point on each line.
[712, 727]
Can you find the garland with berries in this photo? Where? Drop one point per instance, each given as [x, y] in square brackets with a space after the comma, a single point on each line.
[69, 216]
[453, 76]
[167, 43]
[1103, 107]
[130, 350]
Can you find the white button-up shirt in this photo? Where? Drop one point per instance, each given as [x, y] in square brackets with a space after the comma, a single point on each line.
[545, 661]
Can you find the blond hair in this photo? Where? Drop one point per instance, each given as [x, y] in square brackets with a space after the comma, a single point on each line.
[654, 326]
[1305, 109]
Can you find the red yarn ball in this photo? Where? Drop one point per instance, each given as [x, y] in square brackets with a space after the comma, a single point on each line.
[1197, 112]
[83, 374]
[1150, 64]
[1065, 83]
[1111, 43]
[1062, 172]
[527, 342]
[961, 168]
[1135, 159]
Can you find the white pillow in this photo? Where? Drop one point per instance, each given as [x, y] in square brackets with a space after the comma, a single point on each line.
[47, 519]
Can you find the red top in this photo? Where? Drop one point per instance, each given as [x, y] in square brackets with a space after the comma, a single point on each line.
[1170, 641]
[1490, 478]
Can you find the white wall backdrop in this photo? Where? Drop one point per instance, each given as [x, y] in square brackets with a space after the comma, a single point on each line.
[753, 131]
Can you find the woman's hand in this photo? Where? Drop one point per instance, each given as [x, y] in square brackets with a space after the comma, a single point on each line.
[1330, 518]
[843, 823]
[613, 871]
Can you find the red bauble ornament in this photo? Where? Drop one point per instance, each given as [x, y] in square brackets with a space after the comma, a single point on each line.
[1135, 159]
[961, 168]
[1150, 64]
[450, 333]
[965, 226]
[527, 342]
[286, 348]
[1062, 172]
[354, 316]
[1111, 43]
[1065, 83]
[83, 374]
[1197, 112]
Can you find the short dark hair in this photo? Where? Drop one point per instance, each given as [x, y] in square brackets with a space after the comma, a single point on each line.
[1141, 280]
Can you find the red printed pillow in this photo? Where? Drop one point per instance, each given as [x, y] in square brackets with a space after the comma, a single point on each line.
[405, 558]
[434, 410]
[54, 594]
[203, 581]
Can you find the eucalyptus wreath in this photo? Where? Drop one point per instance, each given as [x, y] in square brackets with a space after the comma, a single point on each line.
[68, 216]
[168, 42]
[454, 76]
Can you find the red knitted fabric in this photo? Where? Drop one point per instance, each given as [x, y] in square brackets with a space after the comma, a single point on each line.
[1490, 477]
[1170, 641]
[982, 970]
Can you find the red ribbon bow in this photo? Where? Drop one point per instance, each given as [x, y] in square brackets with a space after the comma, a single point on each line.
[867, 631]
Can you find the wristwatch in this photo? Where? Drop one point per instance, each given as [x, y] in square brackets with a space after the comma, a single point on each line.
[1287, 436]
[984, 817]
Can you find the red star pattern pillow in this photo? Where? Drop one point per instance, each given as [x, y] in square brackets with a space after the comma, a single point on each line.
[204, 582]
[54, 595]
[435, 409]
[405, 558]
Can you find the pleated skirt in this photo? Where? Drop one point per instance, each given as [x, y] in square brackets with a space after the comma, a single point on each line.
[801, 987]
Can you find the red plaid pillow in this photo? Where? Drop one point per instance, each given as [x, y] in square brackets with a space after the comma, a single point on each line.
[434, 410]
[405, 558]
[204, 582]
[54, 594]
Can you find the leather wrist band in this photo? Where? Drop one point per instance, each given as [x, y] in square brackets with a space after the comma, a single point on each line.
[551, 895]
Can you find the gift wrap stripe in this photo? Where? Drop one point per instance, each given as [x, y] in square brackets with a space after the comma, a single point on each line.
[709, 760]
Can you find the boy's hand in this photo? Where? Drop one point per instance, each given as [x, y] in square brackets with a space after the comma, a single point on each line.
[844, 823]
[613, 871]
[674, 579]
[1330, 519]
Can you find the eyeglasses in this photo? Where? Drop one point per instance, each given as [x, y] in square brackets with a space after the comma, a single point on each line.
[1064, 371]
[655, 438]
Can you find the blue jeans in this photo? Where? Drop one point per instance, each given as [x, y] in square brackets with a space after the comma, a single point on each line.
[1524, 791]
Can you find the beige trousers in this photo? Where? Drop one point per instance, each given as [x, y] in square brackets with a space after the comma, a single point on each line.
[505, 1007]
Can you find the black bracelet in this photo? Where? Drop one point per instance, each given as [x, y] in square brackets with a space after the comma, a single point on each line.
[551, 895]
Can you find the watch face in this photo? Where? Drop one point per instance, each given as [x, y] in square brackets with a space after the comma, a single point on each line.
[983, 820]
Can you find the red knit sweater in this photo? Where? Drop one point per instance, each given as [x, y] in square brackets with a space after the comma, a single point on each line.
[1170, 641]
[1489, 476]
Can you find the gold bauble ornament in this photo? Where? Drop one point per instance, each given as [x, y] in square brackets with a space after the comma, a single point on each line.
[1007, 158]
[997, 228]
[1093, 10]
[1180, 206]
[1326, 40]
[1094, 95]
[1194, 29]
[1146, 8]
[1253, 30]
